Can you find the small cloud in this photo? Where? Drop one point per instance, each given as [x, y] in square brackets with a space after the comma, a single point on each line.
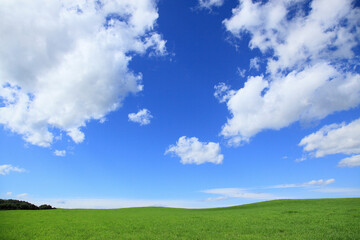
[255, 63]
[320, 182]
[216, 199]
[208, 4]
[22, 195]
[8, 194]
[227, 193]
[7, 168]
[158, 45]
[191, 151]
[143, 117]
[60, 153]
[353, 161]
[76, 135]
[223, 92]
[285, 157]
[59, 137]
[300, 159]
[241, 72]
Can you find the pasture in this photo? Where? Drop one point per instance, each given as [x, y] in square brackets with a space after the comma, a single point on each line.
[278, 219]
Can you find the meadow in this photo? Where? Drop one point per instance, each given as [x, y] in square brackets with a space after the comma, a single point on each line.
[278, 219]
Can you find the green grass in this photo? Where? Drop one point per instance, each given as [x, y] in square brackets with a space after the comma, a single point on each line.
[279, 219]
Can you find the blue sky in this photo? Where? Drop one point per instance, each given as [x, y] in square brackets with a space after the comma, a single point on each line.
[107, 104]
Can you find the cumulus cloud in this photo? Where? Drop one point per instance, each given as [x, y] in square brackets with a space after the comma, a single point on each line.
[353, 161]
[208, 4]
[335, 138]
[8, 194]
[7, 168]
[320, 182]
[227, 193]
[60, 153]
[64, 63]
[191, 151]
[306, 78]
[143, 117]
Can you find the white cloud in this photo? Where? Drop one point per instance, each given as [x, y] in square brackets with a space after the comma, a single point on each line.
[143, 117]
[227, 193]
[353, 161]
[320, 182]
[64, 63]
[334, 138]
[210, 3]
[60, 153]
[191, 151]
[307, 78]
[241, 72]
[223, 92]
[8, 194]
[300, 159]
[255, 63]
[76, 135]
[22, 195]
[7, 168]
[215, 199]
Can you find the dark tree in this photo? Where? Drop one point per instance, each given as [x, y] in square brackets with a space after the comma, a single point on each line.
[45, 206]
[12, 204]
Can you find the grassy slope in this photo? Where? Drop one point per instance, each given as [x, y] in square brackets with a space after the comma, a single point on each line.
[279, 219]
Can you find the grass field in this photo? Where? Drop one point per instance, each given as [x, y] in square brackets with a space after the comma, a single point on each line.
[278, 219]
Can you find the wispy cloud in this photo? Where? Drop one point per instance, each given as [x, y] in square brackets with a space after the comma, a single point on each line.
[255, 63]
[227, 193]
[7, 168]
[262, 193]
[208, 4]
[241, 72]
[300, 159]
[22, 195]
[223, 92]
[320, 182]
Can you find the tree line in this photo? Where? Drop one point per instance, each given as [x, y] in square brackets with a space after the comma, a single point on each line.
[12, 204]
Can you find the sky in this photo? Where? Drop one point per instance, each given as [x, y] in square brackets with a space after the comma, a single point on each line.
[194, 104]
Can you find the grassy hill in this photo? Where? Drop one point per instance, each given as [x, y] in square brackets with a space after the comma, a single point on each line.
[278, 219]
